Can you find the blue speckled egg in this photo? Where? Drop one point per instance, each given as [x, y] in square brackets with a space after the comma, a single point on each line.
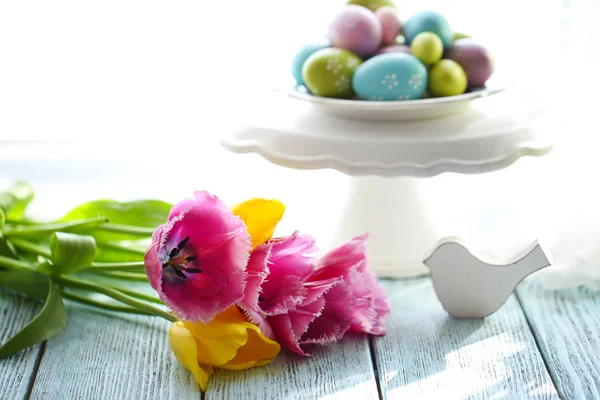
[390, 77]
[428, 21]
[303, 54]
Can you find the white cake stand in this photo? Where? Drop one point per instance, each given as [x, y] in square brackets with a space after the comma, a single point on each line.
[386, 160]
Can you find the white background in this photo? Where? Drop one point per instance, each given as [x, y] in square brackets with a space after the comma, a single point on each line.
[145, 85]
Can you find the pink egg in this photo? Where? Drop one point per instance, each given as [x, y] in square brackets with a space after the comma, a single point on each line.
[390, 23]
[475, 59]
[394, 48]
[356, 29]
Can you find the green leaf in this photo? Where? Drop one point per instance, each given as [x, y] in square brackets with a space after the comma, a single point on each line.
[141, 213]
[49, 322]
[71, 253]
[15, 199]
[25, 280]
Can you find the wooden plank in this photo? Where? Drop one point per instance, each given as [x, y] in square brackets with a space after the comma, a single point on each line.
[566, 324]
[112, 356]
[429, 354]
[17, 371]
[339, 371]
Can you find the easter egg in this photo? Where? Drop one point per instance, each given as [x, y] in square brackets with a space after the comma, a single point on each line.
[427, 47]
[447, 78]
[389, 77]
[302, 55]
[328, 72]
[474, 59]
[355, 29]
[428, 21]
[400, 40]
[390, 24]
[394, 48]
[372, 5]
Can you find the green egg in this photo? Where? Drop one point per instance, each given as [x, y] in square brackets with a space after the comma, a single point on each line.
[372, 5]
[427, 47]
[328, 73]
[447, 78]
[459, 35]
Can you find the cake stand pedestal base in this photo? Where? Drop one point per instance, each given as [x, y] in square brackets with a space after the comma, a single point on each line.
[393, 211]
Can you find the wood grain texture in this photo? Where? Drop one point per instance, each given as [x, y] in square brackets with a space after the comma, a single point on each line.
[566, 324]
[112, 356]
[339, 371]
[17, 371]
[429, 354]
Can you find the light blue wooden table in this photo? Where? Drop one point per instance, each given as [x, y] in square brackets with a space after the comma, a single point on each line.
[539, 345]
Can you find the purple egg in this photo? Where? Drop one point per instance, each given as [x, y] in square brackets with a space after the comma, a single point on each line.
[356, 29]
[394, 48]
[390, 23]
[475, 60]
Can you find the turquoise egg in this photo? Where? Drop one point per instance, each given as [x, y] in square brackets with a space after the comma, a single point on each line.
[303, 54]
[428, 21]
[390, 77]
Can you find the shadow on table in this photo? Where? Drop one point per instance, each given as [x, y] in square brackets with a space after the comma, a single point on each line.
[428, 353]
[339, 370]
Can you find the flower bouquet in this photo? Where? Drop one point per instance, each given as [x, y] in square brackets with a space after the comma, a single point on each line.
[234, 293]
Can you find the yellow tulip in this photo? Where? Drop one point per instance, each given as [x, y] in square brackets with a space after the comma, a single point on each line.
[230, 341]
[261, 217]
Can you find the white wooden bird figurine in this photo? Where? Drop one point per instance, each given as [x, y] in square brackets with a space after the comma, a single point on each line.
[470, 287]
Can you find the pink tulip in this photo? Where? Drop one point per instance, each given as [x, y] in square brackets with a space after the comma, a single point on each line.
[277, 271]
[349, 262]
[197, 260]
[300, 301]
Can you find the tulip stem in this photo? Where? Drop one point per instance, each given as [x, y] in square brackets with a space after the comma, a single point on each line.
[100, 304]
[12, 263]
[129, 229]
[116, 266]
[115, 294]
[29, 247]
[97, 266]
[13, 221]
[129, 276]
[41, 229]
[137, 295]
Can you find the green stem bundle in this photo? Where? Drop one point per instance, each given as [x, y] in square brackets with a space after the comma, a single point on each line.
[115, 294]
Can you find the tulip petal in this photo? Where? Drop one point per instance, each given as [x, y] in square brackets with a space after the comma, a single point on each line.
[257, 271]
[341, 259]
[381, 305]
[282, 326]
[258, 351]
[185, 349]
[349, 261]
[364, 315]
[282, 295]
[336, 317]
[218, 342]
[302, 317]
[201, 199]
[288, 328]
[261, 216]
[294, 255]
[290, 262]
